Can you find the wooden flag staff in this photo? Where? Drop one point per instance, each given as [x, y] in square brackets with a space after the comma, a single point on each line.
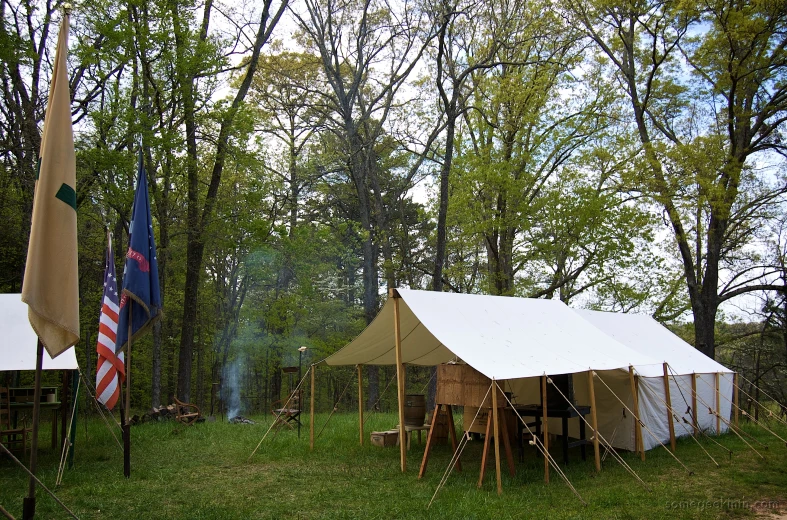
[127, 422]
[29, 502]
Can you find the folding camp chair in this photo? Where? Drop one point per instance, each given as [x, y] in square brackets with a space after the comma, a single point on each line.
[287, 412]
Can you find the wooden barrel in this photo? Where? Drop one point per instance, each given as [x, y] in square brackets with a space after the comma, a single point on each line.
[414, 409]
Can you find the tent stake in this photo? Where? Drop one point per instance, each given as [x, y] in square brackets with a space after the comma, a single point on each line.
[670, 418]
[545, 427]
[311, 410]
[593, 420]
[639, 443]
[400, 380]
[694, 402]
[496, 433]
[360, 402]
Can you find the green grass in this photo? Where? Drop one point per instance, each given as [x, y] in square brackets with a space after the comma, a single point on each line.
[203, 472]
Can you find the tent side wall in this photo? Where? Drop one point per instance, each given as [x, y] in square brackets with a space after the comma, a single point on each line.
[652, 407]
[617, 425]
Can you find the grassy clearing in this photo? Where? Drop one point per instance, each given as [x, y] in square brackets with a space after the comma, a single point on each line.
[203, 472]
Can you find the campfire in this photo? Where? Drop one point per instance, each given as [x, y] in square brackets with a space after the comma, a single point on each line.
[239, 419]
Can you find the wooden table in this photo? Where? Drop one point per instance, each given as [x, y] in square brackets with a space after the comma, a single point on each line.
[23, 406]
[537, 411]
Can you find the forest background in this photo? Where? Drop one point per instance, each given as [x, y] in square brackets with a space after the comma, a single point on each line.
[305, 156]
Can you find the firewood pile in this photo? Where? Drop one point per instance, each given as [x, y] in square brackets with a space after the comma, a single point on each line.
[162, 413]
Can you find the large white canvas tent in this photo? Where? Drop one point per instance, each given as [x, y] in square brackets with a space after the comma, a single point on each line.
[18, 342]
[516, 340]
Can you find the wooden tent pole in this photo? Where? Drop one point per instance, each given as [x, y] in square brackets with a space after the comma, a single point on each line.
[311, 410]
[593, 420]
[496, 430]
[637, 424]
[735, 397]
[392, 293]
[545, 427]
[360, 402]
[694, 403]
[718, 403]
[670, 418]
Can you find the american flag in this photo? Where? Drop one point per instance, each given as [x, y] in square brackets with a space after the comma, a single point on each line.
[109, 366]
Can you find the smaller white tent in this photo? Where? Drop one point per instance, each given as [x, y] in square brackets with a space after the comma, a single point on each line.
[18, 342]
[645, 335]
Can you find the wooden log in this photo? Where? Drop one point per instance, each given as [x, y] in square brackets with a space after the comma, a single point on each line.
[496, 427]
[637, 424]
[399, 380]
[594, 420]
[718, 403]
[311, 409]
[545, 427]
[360, 402]
[694, 403]
[668, 399]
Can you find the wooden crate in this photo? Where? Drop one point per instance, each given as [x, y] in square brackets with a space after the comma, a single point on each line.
[383, 439]
[462, 385]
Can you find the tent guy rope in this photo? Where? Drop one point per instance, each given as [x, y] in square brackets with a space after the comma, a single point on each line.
[539, 444]
[21, 465]
[333, 411]
[297, 388]
[683, 420]
[711, 411]
[458, 452]
[615, 454]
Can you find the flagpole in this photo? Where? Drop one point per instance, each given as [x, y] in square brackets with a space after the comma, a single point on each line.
[29, 502]
[127, 426]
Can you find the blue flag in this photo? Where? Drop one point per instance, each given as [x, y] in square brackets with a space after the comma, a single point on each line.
[141, 294]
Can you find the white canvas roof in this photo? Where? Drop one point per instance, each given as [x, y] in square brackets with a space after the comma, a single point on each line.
[18, 340]
[645, 335]
[501, 337]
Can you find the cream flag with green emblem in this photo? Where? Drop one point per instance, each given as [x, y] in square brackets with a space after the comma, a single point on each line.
[50, 287]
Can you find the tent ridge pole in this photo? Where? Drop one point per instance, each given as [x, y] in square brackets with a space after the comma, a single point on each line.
[360, 402]
[545, 426]
[496, 430]
[400, 379]
[594, 420]
[670, 418]
[639, 442]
